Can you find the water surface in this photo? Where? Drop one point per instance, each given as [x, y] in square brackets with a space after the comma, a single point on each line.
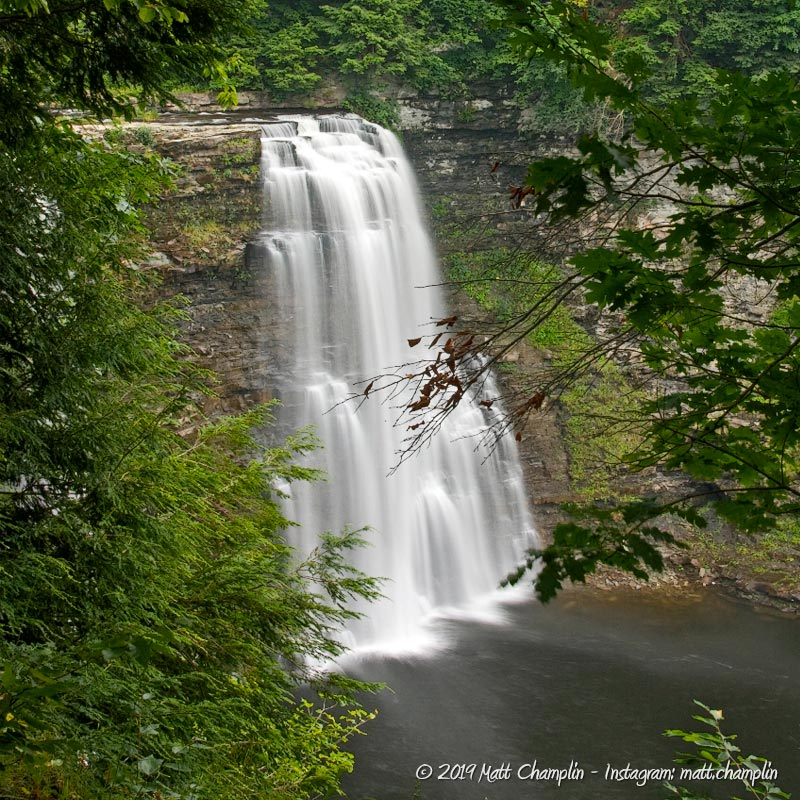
[589, 681]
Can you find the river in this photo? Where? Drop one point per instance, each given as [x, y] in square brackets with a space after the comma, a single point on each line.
[585, 684]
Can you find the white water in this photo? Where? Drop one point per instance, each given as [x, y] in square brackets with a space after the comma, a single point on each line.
[348, 251]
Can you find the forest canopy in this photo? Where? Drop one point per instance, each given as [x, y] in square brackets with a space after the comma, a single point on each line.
[297, 48]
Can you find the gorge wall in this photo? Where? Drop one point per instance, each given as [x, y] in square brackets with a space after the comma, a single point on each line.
[464, 162]
[465, 155]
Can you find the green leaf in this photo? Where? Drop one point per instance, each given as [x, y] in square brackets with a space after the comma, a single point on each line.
[147, 13]
[150, 765]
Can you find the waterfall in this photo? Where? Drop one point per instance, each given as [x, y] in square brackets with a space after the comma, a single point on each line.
[352, 274]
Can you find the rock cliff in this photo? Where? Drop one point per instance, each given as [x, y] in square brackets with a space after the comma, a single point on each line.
[465, 159]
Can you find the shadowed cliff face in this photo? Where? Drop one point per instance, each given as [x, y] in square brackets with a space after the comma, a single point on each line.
[201, 235]
[464, 176]
[201, 231]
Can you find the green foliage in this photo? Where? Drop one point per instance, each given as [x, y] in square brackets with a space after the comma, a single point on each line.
[367, 105]
[555, 106]
[144, 135]
[432, 45]
[155, 627]
[467, 45]
[682, 43]
[289, 58]
[281, 51]
[297, 47]
[602, 533]
[79, 55]
[727, 407]
[716, 753]
[603, 426]
[508, 284]
[670, 46]
[376, 35]
[153, 623]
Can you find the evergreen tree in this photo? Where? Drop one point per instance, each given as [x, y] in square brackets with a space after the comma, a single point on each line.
[155, 627]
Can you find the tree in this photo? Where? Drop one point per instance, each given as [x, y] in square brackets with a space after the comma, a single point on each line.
[444, 46]
[684, 42]
[373, 34]
[724, 401]
[102, 56]
[155, 627]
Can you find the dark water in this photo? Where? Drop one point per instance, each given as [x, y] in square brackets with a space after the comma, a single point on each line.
[589, 681]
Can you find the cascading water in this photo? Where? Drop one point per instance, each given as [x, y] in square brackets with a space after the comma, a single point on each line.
[346, 247]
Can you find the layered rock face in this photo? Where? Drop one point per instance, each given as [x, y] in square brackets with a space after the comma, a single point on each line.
[201, 234]
[465, 160]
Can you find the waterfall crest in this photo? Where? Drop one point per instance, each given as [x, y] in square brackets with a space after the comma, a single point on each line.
[348, 252]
